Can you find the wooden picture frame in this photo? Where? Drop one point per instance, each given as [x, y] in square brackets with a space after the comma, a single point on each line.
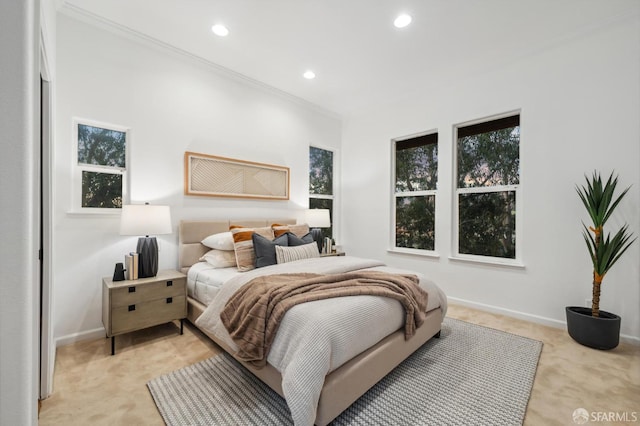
[213, 176]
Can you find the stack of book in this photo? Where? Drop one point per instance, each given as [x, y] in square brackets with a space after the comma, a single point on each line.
[131, 265]
[328, 246]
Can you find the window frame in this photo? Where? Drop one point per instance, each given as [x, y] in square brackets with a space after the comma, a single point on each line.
[516, 262]
[395, 195]
[333, 196]
[78, 169]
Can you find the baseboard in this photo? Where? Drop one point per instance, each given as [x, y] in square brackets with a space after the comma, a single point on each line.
[79, 337]
[100, 332]
[529, 317]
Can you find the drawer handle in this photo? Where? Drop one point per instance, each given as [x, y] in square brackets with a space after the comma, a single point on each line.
[169, 299]
[169, 283]
[132, 308]
[132, 289]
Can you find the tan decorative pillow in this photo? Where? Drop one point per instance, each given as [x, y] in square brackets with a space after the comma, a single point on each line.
[243, 245]
[299, 230]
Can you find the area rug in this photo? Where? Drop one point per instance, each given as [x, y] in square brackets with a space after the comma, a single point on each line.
[471, 375]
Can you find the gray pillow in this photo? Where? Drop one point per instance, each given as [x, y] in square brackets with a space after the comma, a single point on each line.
[298, 241]
[266, 249]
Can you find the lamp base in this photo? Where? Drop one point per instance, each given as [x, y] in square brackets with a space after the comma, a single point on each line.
[316, 233]
[147, 257]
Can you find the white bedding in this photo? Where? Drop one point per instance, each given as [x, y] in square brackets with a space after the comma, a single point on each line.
[204, 281]
[317, 337]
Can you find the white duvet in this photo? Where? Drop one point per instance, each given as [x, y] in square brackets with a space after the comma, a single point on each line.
[317, 337]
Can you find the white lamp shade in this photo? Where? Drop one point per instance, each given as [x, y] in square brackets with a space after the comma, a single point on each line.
[145, 219]
[317, 218]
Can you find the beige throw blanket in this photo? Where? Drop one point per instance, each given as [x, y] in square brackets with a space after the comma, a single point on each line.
[253, 314]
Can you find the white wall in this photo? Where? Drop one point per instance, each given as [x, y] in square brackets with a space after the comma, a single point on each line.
[19, 286]
[48, 35]
[580, 102]
[172, 104]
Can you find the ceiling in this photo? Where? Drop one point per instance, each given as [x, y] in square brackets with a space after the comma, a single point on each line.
[359, 57]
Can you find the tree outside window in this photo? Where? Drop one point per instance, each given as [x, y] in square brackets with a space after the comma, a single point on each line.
[321, 183]
[416, 178]
[488, 185]
[101, 164]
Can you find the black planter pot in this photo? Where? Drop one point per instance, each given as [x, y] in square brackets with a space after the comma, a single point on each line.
[596, 332]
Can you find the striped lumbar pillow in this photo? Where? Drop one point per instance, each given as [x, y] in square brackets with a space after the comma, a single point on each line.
[289, 254]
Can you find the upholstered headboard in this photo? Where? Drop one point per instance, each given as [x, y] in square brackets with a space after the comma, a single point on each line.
[191, 232]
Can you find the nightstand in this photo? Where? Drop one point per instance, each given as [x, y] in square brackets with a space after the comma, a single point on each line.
[132, 305]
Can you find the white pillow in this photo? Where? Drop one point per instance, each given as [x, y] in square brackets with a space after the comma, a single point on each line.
[289, 254]
[221, 241]
[220, 258]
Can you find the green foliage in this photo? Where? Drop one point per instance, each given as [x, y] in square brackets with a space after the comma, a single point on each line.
[489, 159]
[417, 168]
[607, 252]
[597, 198]
[415, 222]
[320, 171]
[416, 165]
[487, 224]
[101, 147]
[106, 148]
[101, 190]
[600, 202]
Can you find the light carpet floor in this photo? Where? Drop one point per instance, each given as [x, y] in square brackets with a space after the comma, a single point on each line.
[470, 375]
[91, 387]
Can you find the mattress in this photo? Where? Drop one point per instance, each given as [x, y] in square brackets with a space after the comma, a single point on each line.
[204, 281]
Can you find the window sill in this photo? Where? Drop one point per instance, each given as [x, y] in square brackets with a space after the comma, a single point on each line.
[516, 264]
[414, 252]
[94, 212]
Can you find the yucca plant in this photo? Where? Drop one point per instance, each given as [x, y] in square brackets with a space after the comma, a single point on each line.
[604, 251]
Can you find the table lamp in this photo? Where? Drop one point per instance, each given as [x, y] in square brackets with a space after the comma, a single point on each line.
[145, 219]
[316, 219]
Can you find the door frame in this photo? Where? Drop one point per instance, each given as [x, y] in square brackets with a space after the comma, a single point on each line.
[47, 345]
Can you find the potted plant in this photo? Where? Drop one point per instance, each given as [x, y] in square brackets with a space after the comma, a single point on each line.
[593, 327]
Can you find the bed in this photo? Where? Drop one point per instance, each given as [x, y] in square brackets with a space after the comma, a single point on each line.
[340, 384]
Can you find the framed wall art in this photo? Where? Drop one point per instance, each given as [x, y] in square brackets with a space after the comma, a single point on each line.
[213, 176]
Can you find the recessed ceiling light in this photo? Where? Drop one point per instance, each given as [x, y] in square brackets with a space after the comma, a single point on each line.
[309, 75]
[220, 30]
[402, 21]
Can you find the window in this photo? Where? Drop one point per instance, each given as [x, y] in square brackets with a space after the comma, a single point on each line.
[488, 188]
[101, 165]
[321, 183]
[416, 181]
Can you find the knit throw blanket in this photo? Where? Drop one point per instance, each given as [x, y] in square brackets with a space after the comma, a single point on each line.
[253, 314]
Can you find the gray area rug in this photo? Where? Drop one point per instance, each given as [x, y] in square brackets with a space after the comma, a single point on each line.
[472, 375]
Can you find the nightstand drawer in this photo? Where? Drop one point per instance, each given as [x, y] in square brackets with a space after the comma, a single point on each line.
[137, 293]
[146, 314]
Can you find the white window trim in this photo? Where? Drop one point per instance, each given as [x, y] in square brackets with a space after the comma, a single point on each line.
[414, 252]
[77, 169]
[498, 261]
[322, 196]
[394, 195]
